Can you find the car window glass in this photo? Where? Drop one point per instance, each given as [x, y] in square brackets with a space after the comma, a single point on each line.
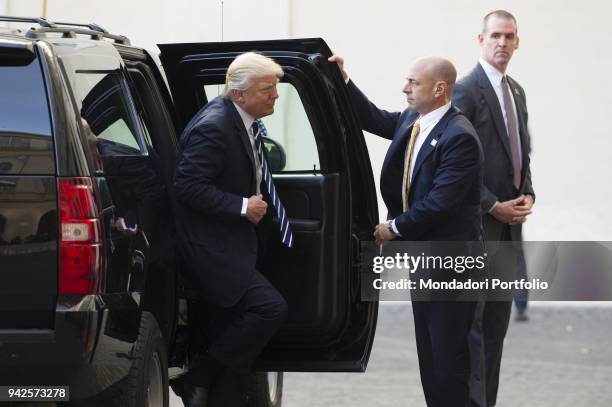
[108, 113]
[119, 132]
[289, 126]
[25, 125]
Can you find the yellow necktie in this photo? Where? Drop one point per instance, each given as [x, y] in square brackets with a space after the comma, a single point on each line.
[416, 128]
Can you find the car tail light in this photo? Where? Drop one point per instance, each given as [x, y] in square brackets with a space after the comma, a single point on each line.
[81, 237]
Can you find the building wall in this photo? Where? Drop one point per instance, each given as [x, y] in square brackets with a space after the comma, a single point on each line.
[563, 63]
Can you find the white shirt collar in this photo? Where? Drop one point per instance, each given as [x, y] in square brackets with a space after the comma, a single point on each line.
[495, 77]
[247, 119]
[432, 118]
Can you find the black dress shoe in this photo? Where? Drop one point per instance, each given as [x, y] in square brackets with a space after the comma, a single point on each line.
[193, 395]
[202, 370]
[521, 316]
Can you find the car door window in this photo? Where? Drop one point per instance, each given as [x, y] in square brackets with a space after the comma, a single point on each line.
[289, 126]
[109, 114]
[25, 125]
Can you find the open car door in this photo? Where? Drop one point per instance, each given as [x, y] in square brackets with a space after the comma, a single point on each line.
[323, 176]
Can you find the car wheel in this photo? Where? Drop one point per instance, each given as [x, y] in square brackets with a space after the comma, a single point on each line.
[265, 389]
[147, 382]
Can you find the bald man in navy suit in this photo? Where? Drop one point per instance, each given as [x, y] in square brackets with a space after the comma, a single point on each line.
[431, 182]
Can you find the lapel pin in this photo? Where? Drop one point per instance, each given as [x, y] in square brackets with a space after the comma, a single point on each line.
[434, 142]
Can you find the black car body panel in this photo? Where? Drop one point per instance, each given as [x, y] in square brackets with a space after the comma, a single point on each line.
[28, 201]
[48, 338]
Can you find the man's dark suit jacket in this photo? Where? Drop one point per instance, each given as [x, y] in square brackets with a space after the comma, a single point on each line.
[444, 197]
[475, 96]
[215, 171]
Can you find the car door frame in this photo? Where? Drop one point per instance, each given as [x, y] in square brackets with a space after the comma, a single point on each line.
[342, 151]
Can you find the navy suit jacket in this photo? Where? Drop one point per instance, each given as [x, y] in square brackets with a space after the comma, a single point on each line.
[215, 172]
[444, 199]
[476, 98]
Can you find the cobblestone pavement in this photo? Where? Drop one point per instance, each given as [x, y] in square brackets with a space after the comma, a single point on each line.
[562, 357]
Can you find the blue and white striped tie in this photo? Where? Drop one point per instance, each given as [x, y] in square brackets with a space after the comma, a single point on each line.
[259, 130]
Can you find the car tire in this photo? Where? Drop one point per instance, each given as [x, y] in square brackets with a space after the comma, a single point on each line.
[265, 389]
[147, 383]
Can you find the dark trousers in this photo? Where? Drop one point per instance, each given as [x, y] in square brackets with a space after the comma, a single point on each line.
[490, 327]
[487, 345]
[236, 337]
[521, 296]
[442, 330]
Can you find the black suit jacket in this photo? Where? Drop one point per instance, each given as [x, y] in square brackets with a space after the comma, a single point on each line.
[215, 171]
[444, 200]
[475, 96]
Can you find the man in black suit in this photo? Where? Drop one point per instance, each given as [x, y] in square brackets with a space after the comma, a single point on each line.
[430, 182]
[496, 105]
[224, 203]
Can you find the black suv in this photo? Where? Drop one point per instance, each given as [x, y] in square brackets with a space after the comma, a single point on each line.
[90, 293]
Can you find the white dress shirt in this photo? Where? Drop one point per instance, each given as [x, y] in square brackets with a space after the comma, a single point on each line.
[248, 120]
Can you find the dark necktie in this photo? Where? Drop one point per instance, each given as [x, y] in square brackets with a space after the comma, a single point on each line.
[259, 130]
[513, 133]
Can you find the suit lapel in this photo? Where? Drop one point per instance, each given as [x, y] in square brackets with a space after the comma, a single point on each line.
[243, 135]
[429, 145]
[400, 139]
[498, 116]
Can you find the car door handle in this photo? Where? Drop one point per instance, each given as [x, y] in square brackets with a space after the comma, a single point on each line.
[305, 225]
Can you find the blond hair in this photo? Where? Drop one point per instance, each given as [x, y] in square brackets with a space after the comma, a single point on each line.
[247, 66]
